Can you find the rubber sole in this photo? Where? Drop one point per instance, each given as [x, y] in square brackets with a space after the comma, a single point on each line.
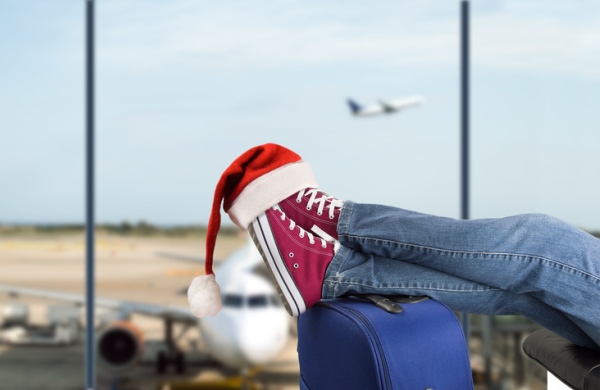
[262, 235]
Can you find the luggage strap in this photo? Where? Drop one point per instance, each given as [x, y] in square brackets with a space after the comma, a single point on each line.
[391, 303]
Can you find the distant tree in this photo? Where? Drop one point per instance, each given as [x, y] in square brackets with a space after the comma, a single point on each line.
[145, 228]
[125, 227]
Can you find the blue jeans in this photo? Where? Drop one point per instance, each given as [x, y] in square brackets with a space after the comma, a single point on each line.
[532, 265]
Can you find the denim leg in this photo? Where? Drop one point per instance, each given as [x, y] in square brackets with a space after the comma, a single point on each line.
[533, 255]
[363, 273]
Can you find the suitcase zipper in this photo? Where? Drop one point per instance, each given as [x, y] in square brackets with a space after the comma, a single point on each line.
[369, 327]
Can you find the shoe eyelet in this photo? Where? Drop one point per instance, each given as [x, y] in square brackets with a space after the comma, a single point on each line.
[301, 235]
[291, 254]
[323, 246]
[298, 200]
[308, 208]
[331, 217]
[296, 265]
[319, 214]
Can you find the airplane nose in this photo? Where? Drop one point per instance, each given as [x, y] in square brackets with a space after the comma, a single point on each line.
[260, 345]
[258, 352]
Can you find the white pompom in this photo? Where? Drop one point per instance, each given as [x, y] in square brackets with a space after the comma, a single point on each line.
[204, 296]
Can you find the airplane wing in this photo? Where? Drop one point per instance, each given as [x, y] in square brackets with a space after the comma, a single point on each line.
[389, 107]
[165, 312]
[383, 107]
[179, 256]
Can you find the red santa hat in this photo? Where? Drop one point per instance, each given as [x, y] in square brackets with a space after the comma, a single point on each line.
[258, 179]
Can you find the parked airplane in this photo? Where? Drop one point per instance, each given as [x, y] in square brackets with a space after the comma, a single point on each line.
[383, 107]
[250, 330]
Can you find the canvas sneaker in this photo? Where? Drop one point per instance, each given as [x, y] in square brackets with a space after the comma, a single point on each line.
[297, 259]
[314, 210]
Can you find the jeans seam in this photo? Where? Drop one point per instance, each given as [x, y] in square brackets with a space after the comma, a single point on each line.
[345, 215]
[337, 282]
[336, 264]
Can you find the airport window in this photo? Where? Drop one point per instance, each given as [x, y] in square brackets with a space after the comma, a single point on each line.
[534, 82]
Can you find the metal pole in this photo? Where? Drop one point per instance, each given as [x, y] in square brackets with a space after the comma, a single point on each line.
[464, 117]
[90, 224]
[465, 110]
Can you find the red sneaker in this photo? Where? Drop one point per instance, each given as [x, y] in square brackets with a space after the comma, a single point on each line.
[296, 258]
[314, 210]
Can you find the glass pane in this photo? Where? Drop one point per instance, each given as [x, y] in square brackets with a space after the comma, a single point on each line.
[184, 87]
[535, 88]
[41, 193]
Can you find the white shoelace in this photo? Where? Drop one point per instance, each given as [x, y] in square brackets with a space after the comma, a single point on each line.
[323, 201]
[302, 232]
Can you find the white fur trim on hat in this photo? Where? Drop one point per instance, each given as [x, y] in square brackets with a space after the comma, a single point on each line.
[269, 189]
[204, 296]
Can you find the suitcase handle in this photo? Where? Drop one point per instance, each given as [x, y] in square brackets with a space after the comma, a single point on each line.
[391, 303]
[409, 298]
[383, 302]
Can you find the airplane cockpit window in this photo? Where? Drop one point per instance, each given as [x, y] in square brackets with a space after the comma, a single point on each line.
[231, 300]
[252, 301]
[257, 301]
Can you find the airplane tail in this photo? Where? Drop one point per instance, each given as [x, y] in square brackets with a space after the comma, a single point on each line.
[354, 107]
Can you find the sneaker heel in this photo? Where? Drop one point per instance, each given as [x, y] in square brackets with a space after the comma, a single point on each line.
[282, 296]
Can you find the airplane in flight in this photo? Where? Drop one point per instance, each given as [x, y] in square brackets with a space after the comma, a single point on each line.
[383, 107]
[251, 329]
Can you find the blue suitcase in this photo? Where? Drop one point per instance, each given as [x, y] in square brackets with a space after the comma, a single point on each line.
[351, 343]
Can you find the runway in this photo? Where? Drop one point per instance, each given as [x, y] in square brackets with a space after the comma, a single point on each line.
[127, 268]
[62, 368]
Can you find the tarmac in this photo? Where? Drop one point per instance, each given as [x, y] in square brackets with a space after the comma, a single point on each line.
[127, 268]
[133, 269]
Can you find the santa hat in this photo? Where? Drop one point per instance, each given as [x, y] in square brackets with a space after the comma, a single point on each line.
[258, 179]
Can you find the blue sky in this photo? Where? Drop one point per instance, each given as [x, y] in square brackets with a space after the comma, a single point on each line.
[184, 87]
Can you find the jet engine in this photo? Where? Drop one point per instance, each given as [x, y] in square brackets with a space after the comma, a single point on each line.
[119, 346]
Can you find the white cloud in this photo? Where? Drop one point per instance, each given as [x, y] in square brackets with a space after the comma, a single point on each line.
[536, 44]
[193, 124]
[256, 35]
